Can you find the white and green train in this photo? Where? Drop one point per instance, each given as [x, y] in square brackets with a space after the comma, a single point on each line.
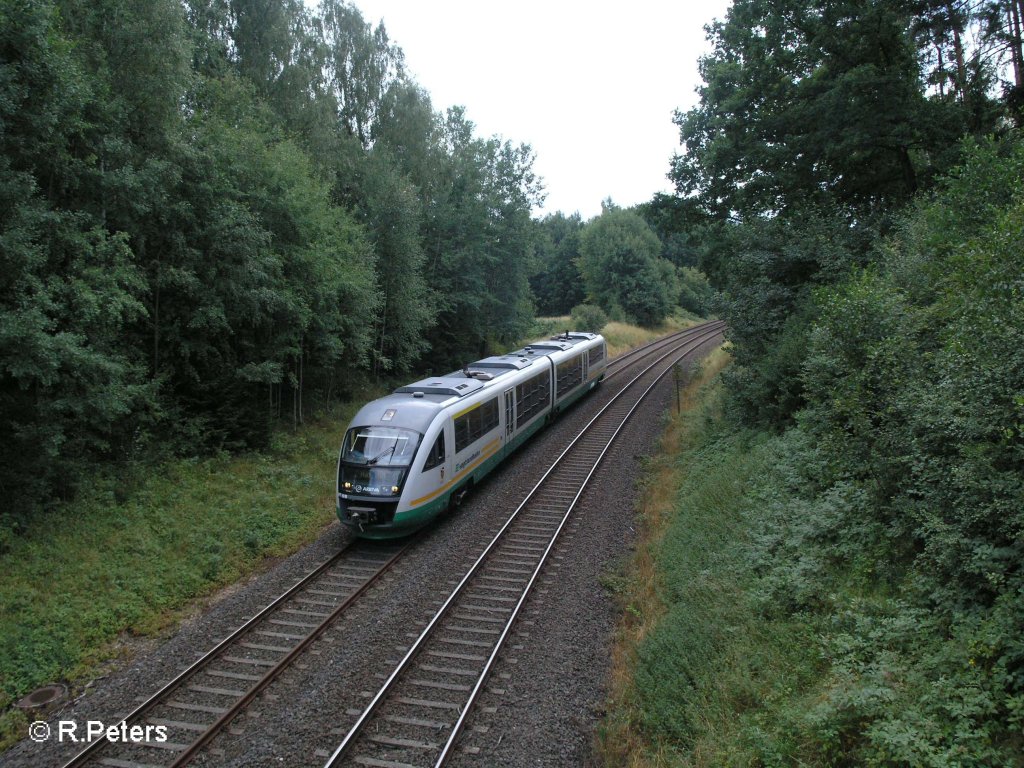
[409, 456]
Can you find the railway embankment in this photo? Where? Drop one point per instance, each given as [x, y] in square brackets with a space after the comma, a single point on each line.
[88, 586]
[702, 669]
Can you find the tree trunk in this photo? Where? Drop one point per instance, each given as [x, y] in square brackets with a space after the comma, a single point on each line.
[961, 70]
[1016, 46]
[156, 317]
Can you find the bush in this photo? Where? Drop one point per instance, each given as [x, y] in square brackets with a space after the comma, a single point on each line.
[695, 292]
[588, 317]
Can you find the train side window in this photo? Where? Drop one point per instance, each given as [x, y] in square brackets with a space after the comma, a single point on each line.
[436, 456]
[471, 426]
[570, 376]
[532, 397]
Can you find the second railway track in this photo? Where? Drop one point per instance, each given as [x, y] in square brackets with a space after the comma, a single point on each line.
[201, 700]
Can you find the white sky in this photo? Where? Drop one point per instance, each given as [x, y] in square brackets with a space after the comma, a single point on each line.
[591, 86]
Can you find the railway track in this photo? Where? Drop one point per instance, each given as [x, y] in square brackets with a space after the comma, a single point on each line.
[627, 360]
[204, 698]
[417, 715]
[201, 700]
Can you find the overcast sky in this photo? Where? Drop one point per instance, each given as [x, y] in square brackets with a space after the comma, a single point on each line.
[591, 86]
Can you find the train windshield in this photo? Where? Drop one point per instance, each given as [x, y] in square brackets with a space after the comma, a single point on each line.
[374, 460]
[380, 446]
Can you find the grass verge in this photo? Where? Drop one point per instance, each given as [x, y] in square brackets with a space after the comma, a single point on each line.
[622, 337]
[762, 624]
[697, 668]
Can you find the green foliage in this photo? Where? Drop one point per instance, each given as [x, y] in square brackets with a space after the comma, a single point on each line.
[215, 214]
[905, 484]
[796, 630]
[556, 284]
[815, 126]
[622, 269]
[588, 317]
[68, 288]
[677, 222]
[841, 81]
[695, 292]
[477, 239]
[716, 680]
[914, 382]
[393, 214]
[766, 270]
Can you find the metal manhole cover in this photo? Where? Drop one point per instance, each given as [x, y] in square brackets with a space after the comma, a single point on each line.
[43, 696]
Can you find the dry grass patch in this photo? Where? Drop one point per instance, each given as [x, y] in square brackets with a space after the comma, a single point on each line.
[622, 337]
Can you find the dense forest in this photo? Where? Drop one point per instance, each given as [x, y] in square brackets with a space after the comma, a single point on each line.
[218, 214]
[852, 182]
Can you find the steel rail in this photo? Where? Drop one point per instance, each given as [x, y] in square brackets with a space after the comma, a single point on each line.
[653, 346]
[155, 700]
[197, 667]
[492, 658]
[79, 759]
[284, 663]
[441, 613]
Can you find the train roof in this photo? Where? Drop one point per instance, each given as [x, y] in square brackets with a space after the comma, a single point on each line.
[512, 361]
[560, 343]
[452, 385]
[401, 410]
[414, 406]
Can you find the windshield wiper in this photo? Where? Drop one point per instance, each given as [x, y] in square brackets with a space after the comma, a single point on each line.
[380, 455]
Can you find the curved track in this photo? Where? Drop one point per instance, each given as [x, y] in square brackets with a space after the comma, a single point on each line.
[627, 360]
[417, 715]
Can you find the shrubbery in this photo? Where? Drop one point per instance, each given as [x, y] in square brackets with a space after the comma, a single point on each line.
[902, 518]
[622, 268]
[695, 292]
[588, 317]
[863, 568]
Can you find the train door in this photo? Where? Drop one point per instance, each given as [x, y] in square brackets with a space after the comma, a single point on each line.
[510, 414]
[586, 366]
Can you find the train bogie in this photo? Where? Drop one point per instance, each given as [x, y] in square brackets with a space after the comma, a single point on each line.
[407, 457]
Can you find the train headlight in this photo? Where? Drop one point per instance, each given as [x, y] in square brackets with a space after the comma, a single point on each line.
[394, 489]
[348, 486]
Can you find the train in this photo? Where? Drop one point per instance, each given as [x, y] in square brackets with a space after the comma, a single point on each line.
[410, 456]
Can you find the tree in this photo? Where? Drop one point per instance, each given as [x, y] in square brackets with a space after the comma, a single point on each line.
[68, 287]
[679, 223]
[811, 105]
[815, 126]
[622, 268]
[557, 285]
[392, 213]
[363, 65]
[214, 208]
